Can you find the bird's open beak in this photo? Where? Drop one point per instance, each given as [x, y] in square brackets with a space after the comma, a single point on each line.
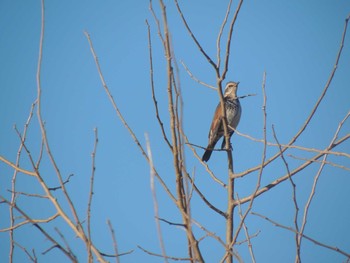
[237, 83]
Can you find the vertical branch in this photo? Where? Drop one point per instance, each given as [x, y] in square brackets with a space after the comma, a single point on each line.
[120, 116]
[193, 251]
[77, 228]
[152, 83]
[180, 133]
[115, 246]
[317, 176]
[41, 122]
[218, 41]
[230, 185]
[307, 121]
[231, 180]
[228, 44]
[294, 197]
[91, 192]
[211, 62]
[155, 201]
[263, 158]
[13, 183]
[250, 246]
[175, 149]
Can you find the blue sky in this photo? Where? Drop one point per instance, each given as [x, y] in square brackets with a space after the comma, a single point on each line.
[295, 42]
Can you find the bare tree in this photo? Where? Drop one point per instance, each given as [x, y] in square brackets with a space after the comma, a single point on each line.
[238, 208]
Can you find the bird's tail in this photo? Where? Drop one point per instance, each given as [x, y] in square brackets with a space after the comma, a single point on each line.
[206, 155]
[209, 150]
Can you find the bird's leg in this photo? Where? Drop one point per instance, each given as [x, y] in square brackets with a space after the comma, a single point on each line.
[224, 143]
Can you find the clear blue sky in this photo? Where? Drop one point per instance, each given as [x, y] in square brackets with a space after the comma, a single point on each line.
[295, 42]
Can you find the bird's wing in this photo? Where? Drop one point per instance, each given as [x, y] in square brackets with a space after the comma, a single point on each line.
[217, 120]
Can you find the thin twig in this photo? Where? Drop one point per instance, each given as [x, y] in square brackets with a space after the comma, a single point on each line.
[336, 249]
[168, 257]
[263, 158]
[238, 243]
[35, 223]
[195, 78]
[157, 22]
[13, 227]
[238, 175]
[155, 201]
[205, 165]
[205, 200]
[91, 192]
[14, 193]
[32, 258]
[18, 169]
[64, 240]
[115, 244]
[64, 182]
[193, 36]
[313, 111]
[229, 38]
[79, 231]
[116, 256]
[177, 150]
[29, 194]
[170, 223]
[137, 142]
[218, 40]
[294, 197]
[317, 161]
[210, 233]
[293, 172]
[250, 246]
[317, 176]
[152, 87]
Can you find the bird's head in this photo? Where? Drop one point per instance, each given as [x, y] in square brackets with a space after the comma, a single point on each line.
[231, 89]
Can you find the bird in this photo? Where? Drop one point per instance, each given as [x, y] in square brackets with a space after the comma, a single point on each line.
[233, 114]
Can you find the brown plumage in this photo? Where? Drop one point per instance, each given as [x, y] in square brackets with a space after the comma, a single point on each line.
[233, 115]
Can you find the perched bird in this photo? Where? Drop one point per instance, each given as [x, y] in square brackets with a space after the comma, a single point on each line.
[233, 115]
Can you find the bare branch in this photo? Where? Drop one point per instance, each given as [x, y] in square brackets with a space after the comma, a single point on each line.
[250, 246]
[296, 214]
[42, 126]
[202, 196]
[205, 164]
[13, 227]
[13, 184]
[211, 62]
[91, 192]
[336, 249]
[229, 38]
[157, 22]
[18, 169]
[115, 246]
[152, 87]
[313, 111]
[32, 258]
[168, 257]
[326, 162]
[293, 172]
[155, 201]
[196, 79]
[47, 235]
[263, 158]
[64, 241]
[317, 176]
[64, 182]
[218, 40]
[137, 142]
